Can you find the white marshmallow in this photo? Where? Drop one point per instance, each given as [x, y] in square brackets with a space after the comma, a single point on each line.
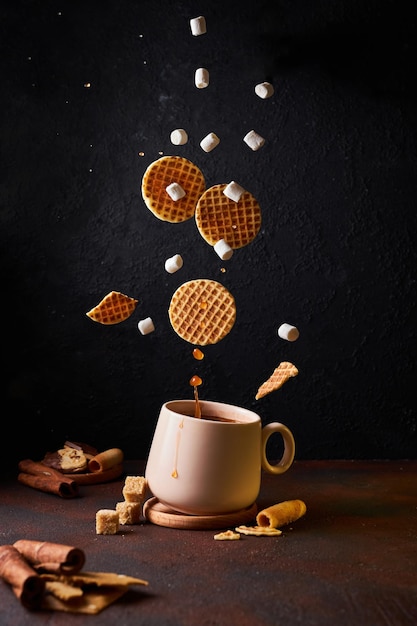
[209, 142]
[201, 78]
[254, 140]
[146, 326]
[198, 25]
[223, 249]
[175, 191]
[264, 90]
[174, 263]
[233, 191]
[288, 332]
[179, 137]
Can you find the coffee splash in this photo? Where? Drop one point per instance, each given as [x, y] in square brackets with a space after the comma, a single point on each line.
[195, 381]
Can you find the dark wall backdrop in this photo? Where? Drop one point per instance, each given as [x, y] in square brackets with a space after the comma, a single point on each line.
[336, 181]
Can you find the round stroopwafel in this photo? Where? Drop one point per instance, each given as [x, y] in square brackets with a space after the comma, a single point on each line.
[164, 172]
[113, 308]
[218, 217]
[202, 311]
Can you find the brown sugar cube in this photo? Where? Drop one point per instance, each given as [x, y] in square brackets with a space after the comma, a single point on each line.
[107, 522]
[134, 488]
[129, 512]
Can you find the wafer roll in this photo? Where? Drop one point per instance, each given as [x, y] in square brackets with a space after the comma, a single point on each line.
[51, 557]
[281, 514]
[106, 460]
[27, 586]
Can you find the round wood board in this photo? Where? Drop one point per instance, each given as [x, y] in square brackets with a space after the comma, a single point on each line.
[161, 515]
[94, 478]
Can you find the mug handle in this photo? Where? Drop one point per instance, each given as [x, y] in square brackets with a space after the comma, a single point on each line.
[289, 448]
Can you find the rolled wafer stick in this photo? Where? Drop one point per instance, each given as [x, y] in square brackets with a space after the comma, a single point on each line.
[27, 586]
[281, 514]
[51, 557]
[44, 478]
[106, 460]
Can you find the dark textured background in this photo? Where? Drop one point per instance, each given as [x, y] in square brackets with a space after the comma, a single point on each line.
[336, 181]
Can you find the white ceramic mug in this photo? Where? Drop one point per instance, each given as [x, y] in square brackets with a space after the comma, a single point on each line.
[211, 465]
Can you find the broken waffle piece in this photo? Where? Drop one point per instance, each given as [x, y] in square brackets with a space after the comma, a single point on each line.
[67, 460]
[227, 535]
[258, 531]
[85, 592]
[62, 590]
[202, 311]
[114, 308]
[279, 376]
[281, 514]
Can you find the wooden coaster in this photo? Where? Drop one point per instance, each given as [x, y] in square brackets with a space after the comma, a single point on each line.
[161, 515]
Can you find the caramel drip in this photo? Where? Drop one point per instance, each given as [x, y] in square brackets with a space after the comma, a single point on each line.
[197, 411]
[174, 472]
[195, 381]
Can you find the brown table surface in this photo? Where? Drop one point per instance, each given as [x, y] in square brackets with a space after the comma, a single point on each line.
[351, 560]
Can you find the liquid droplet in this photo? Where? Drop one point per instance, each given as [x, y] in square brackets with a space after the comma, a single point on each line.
[198, 354]
[195, 381]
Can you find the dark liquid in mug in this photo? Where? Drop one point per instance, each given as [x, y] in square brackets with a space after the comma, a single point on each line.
[218, 418]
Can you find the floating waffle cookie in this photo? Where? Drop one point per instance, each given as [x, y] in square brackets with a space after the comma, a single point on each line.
[202, 311]
[162, 173]
[279, 376]
[113, 309]
[218, 217]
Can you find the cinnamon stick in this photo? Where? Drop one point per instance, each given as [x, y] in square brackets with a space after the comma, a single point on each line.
[43, 478]
[27, 586]
[51, 557]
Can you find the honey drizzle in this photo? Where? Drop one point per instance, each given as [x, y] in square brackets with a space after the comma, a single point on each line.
[197, 411]
[174, 472]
